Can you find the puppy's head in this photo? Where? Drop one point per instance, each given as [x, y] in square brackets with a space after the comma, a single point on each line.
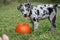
[25, 9]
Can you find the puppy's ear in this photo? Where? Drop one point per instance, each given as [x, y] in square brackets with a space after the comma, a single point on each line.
[19, 7]
[28, 5]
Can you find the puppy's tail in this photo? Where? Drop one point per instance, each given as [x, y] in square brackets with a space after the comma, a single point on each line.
[56, 5]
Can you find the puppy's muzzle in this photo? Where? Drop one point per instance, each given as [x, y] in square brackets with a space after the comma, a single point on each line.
[25, 15]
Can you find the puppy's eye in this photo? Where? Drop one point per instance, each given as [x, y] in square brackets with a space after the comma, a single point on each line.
[27, 9]
[41, 8]
[22, 10]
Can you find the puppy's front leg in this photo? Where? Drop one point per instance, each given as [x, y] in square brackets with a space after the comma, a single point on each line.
[35, 25]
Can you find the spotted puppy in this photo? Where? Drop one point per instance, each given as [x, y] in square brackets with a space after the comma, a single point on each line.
[36, 13]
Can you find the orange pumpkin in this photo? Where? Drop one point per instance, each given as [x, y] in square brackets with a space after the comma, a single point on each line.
[23, 28]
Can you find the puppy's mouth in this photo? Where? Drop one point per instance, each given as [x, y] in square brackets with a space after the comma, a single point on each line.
[25, 16]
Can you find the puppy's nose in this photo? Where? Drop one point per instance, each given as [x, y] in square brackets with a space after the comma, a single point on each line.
[25, 15]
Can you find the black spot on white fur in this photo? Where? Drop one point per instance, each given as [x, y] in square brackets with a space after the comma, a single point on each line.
[44, 11]
[50, 10]
[27, 5]
[34, 19]
[30, 13]
[41, 8]
[45, 5]
[43, 14]
[37, 12]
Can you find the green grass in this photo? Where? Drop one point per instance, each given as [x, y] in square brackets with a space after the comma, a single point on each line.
[10, 17]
